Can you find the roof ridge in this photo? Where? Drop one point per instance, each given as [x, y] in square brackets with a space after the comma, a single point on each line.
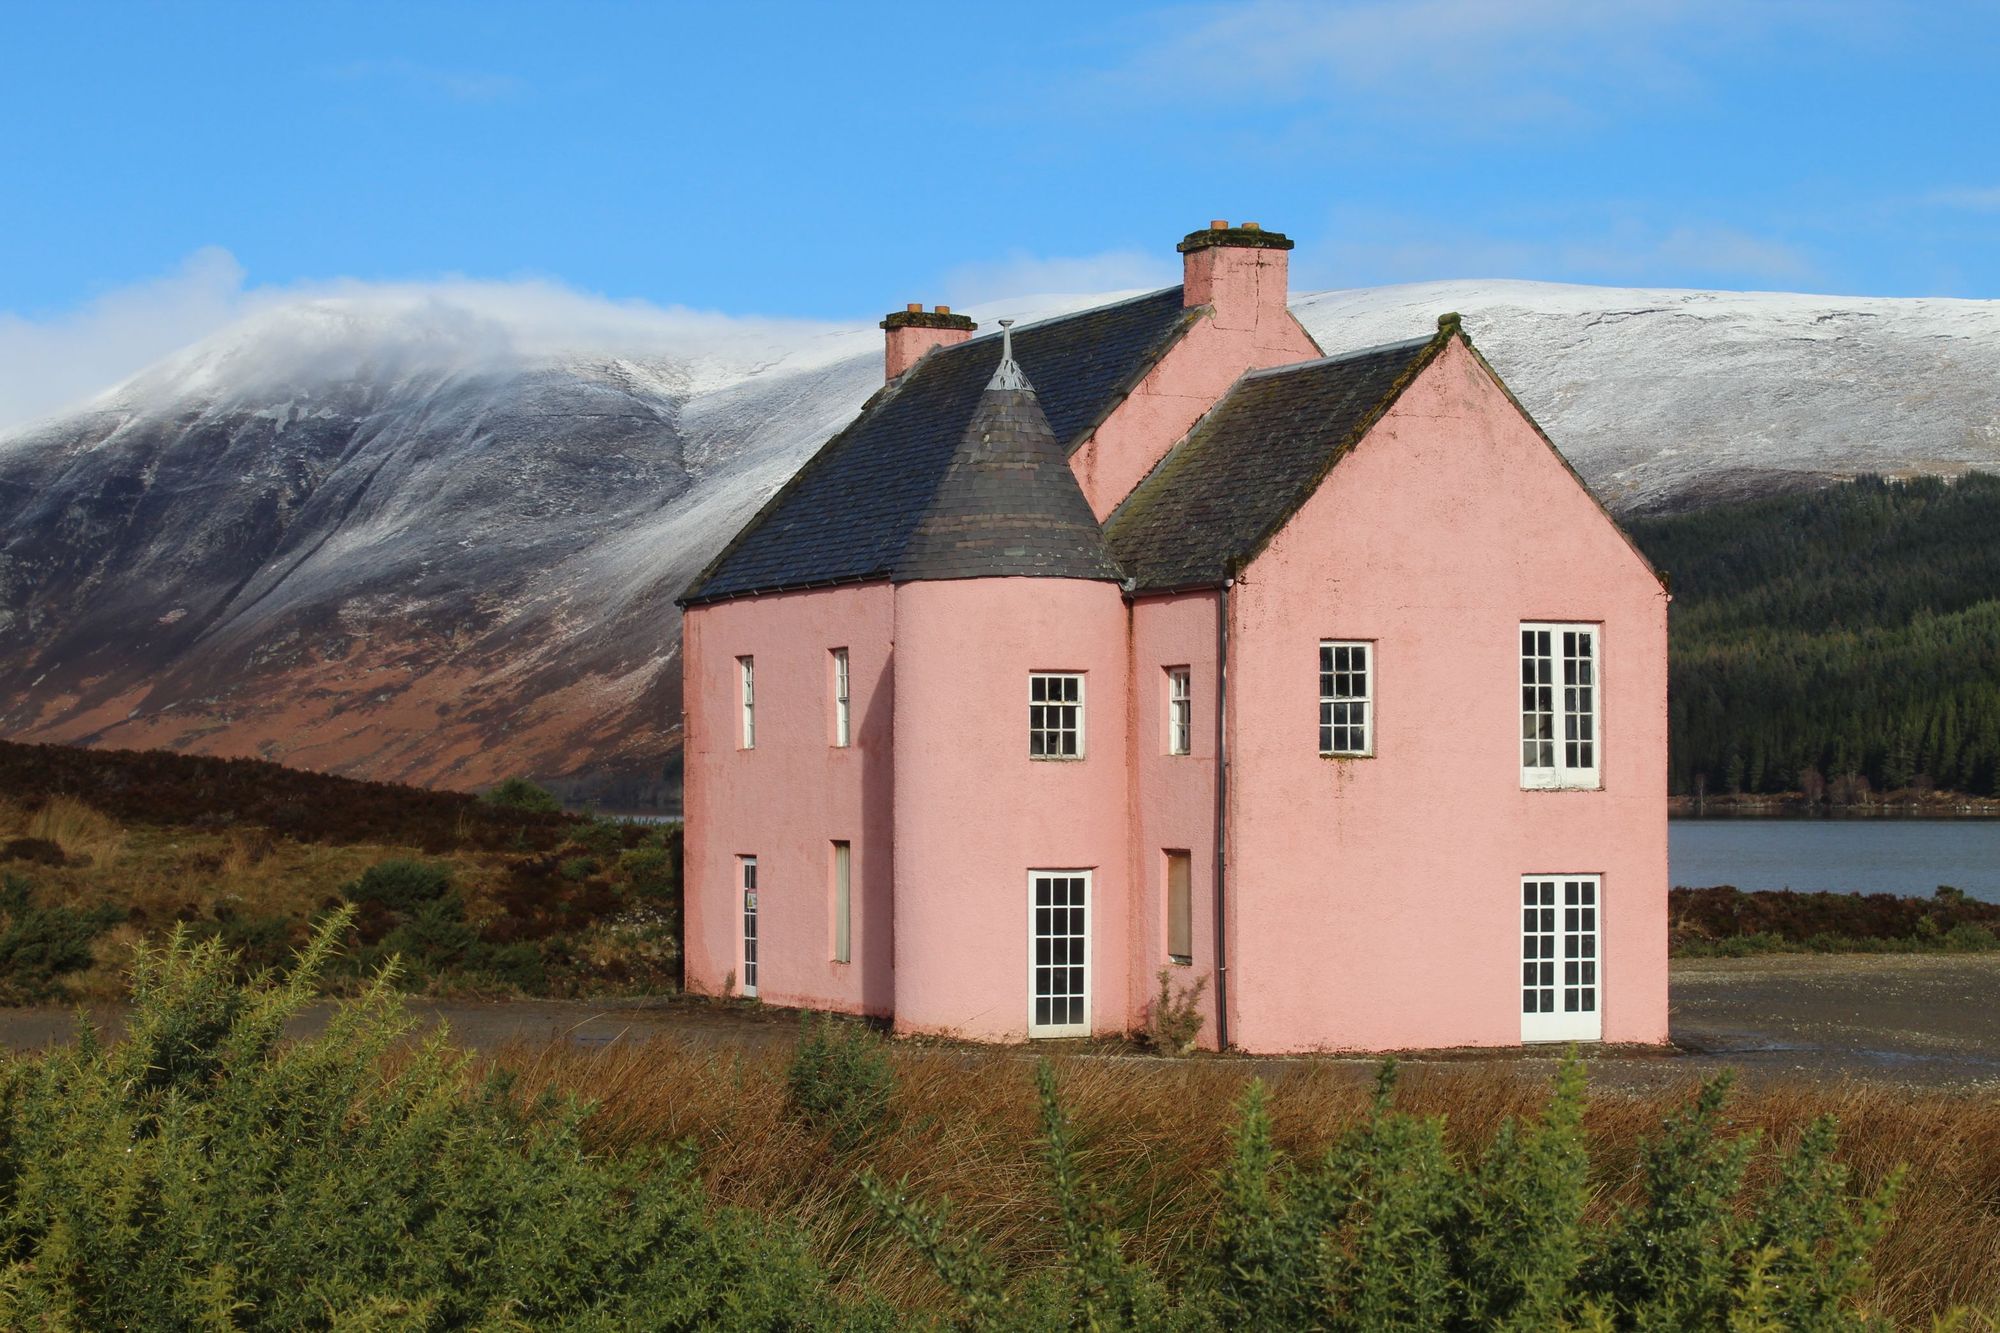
[1335, 358]
[983, 339]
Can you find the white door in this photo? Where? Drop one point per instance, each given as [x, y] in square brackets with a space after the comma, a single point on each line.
[1059, 953]
[749, 925]
[1561, 986]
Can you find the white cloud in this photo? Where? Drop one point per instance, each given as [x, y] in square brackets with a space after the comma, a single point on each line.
[202, 322]
[1478, 63]
[456, 84]
[1978, 200]
[51, 362]
[1021, 275]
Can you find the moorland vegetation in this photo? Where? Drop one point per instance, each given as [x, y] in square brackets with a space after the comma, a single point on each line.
[203, 1171]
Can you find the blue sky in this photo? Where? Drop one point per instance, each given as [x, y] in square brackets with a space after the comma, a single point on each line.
[832, 161]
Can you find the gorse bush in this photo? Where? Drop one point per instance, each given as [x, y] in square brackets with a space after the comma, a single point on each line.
[202, 1173]
[521, 794]
[1391, 1230]
[840, 1080]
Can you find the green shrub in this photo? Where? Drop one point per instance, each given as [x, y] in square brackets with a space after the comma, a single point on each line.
[1174, 1019]
[577, 869]
[1970, 937]
[840, 1080]
[1391, 1230]
[400, 885]
[202, 1173]
[523, 795]
[649, 872]
[42, 944]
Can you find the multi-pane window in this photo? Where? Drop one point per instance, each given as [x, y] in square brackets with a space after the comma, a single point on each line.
[840, 712]
[1180, 710]
[1059, 961]
[1559, 705]
[747, 670]
[1180, 907]
[1560, 982]
[748, 865]
[1055, 715]
[1346, 698]
[843, 902]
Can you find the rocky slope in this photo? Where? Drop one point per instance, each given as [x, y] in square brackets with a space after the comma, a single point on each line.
[410, 536]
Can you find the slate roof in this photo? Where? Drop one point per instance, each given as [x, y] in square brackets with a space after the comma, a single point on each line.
[853, 510]
[1262, 450]
[1008, 505]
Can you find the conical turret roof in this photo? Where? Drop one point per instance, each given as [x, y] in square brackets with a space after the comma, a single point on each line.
[1008, 504]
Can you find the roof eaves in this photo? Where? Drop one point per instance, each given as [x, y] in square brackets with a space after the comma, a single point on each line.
[771, 590]
[692, 593]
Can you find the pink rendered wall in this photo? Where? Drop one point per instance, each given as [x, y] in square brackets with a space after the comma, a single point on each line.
[787, 800]
[1248, 328]
[1375, 902]
[974, 814]
[904, 346]
[1173, 796]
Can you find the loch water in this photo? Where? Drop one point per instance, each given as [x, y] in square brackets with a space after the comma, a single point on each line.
[1869, 855]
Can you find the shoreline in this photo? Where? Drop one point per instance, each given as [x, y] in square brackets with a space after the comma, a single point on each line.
[1793, 805]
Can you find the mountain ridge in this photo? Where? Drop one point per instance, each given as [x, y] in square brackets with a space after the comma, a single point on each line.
[423, 538]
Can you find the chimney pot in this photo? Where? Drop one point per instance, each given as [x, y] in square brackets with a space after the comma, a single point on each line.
[942, 309]
[915, 307]
[1251, 226]
[1218, 224]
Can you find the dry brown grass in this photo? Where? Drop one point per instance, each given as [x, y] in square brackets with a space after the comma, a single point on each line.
[83, 833]
[1153, 1133]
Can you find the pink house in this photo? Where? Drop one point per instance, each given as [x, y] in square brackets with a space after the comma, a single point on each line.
[1150, 637]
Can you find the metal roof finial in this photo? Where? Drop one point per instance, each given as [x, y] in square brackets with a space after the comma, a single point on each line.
[1009, 375]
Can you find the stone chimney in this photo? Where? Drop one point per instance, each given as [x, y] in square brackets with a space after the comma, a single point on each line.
[912, 331]
[1239, 270]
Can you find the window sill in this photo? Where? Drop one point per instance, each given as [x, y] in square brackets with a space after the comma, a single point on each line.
[1563, 786]
[1056, 758]
[1181, 960]
[1346, 754]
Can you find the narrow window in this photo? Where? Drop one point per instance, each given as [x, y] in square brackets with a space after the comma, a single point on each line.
[1347, 698]
[748, 667]
[1055, 715]
[843, 899]
[1559, 706]
[840, 713]
[1180, 710]
[1059, 953]
[1180, 907]
[749, 866]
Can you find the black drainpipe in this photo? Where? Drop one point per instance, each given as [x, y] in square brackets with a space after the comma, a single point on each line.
[1221, 813]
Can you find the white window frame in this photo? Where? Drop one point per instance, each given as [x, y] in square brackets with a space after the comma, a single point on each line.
[1565, 928]
[843, 901]
[746, 683]
[842, 717]
[1036, 734]
[1330, 700]
[1080, 1029]
[1180, 710]
[750, 923]
[1574, 716]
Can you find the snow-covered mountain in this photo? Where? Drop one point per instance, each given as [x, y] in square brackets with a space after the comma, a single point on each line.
[414, 534]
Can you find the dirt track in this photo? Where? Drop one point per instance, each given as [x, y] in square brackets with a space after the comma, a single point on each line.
[1929, 1020]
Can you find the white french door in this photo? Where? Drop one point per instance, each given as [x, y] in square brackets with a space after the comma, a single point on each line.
[1058, 953]
[749, 864]
[1561, 985]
